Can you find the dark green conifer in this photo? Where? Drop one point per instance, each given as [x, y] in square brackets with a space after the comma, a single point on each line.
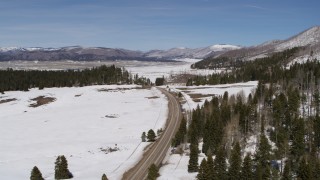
[153, 172]
[235, 162]
[220, 165]
[143, 137]
[36, 174]
[246, 169]
[304, 171]
[297, 147]
[262, 158]
[151, 136]
[61, 168]
[203, 170]
[193, 161]
[286, 175]
[104, 177]
[210, 165]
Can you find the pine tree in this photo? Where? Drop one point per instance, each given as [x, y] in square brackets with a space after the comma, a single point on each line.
[61, 168]
[208, 137]
[235, 162]
[193, 161]
[246, 169]
[36, 174]
[179, 137]
[262, 158]
[143, 137]
[203, 170]
[220, 165]
[153, 172]
[304, 171]
[151, 136]
[104, 177]
[316, 170]
[297, 147]
[286, 175]
[210, 164]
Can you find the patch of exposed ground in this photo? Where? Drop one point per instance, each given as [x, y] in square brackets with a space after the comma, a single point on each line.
[7, 100]
[112, 116]
[197, 100]
[198, 95]
[117, 90]
[153, 97]
[185, 89]
[41, 100]
[108, 150]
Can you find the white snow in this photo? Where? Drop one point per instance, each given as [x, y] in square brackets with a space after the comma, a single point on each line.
[153, 70]
[303, 59]
[77, 124]
[6, 49]
[217, 90]
[223, 47]
[183, 52]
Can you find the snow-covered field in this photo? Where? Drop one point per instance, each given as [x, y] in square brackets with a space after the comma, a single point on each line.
[151, 70]
[80, 124]
[207, 91]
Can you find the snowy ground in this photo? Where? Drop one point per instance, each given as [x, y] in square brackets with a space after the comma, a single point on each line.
[207, 91]
[77, 124]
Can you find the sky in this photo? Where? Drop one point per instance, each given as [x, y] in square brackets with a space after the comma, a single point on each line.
[152, 24]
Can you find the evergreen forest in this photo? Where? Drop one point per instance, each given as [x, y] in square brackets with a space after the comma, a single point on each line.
[280, 118]
[23, 80]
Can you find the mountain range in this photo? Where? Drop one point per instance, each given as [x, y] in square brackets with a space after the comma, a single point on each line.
[310, 39]
[79, 53]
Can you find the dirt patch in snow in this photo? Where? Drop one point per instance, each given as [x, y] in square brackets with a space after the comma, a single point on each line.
[197, 95]
[41, 100]
[7, 100]
[117, 90]
[112, 116]
[153, 97]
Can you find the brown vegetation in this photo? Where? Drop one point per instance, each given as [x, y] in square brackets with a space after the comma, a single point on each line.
[41, 100]
[7, 100]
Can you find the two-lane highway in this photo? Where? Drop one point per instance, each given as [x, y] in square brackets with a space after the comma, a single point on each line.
[156, 153]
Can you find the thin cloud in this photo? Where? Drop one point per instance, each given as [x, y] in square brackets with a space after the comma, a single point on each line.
[255, 7]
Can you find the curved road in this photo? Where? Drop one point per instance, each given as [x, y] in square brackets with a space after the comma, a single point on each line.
[158, 150]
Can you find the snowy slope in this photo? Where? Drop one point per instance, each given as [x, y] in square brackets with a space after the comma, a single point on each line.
[198, 53]
[308, 37]
[77, 124]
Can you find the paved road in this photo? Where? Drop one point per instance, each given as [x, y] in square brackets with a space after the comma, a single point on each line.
[156, 153]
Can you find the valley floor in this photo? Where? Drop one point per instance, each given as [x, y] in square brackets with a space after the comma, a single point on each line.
[85, 124]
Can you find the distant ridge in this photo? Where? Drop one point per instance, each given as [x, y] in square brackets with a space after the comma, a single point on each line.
[309, 40]
[79, 53]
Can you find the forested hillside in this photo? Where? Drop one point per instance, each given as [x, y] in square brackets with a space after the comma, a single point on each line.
[282, 115]
[25, 79]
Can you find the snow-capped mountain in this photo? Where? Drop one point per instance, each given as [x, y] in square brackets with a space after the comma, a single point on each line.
[197, 53]
[68, 53]
[101, 53]
[309, 39]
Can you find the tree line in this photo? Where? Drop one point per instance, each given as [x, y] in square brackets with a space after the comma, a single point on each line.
[23, 80]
